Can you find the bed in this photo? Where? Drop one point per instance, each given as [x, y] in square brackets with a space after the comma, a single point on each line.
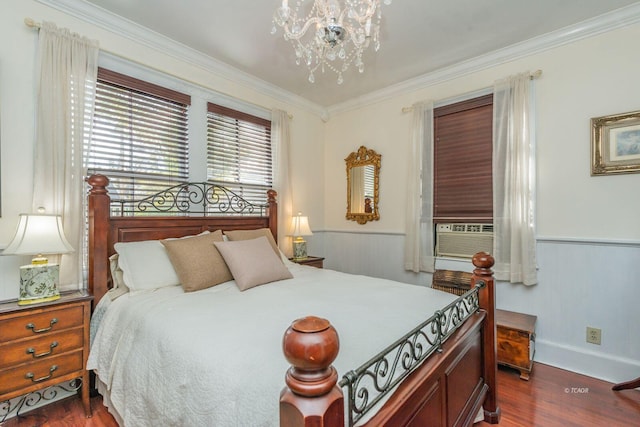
[315, 348]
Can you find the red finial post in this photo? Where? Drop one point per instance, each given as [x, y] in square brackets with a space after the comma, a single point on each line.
[312, 397]
[273, 212]
[98, 218]
[483, 262]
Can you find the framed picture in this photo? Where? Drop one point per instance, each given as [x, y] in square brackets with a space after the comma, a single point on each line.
[615, 144]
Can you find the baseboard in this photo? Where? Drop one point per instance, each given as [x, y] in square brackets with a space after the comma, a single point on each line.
[597, 365]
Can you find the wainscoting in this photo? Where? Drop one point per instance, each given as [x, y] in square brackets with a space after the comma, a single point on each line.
[580, 283]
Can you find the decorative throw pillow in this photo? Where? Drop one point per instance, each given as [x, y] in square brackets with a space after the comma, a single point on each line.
[235, 235]
[146, 265]
[198, 263]
[252, 262]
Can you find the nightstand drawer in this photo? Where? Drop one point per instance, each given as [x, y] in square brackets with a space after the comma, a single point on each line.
[41, 373]
[40, 348]
[30, 324]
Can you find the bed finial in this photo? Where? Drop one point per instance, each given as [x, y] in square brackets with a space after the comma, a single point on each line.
[98, 184]
[311, 345]
[483, 262]
[98, 203]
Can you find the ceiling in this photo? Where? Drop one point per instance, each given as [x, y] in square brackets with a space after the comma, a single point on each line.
[417, 36]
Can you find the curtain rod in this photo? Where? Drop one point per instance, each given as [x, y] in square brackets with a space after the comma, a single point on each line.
[532, 76]
[29, 22]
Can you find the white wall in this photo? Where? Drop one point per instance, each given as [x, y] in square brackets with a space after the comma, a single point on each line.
[17, 106]
[588, 228]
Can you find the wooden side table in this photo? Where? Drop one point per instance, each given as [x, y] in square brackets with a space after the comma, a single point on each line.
[516, 334]
[313, 261]
[45, 344]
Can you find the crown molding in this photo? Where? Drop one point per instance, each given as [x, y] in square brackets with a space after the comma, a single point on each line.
[601, 24]
[128, 29]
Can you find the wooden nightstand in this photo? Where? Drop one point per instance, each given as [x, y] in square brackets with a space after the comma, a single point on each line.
[46, 344]
[313, 261]
[516, 334]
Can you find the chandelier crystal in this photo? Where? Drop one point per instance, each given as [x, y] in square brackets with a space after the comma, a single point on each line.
[332, 35]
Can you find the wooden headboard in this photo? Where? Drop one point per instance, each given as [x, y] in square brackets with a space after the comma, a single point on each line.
[106, 229]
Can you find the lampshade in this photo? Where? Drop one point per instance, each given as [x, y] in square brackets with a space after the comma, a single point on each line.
[300, 226]
[39, 234]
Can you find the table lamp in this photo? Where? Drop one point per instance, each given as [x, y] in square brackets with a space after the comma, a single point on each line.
[299, 228]
[39, 234]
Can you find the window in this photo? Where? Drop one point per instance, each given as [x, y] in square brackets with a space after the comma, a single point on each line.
[139, 136]
[462, 161]
[463, 193]
[239, 152]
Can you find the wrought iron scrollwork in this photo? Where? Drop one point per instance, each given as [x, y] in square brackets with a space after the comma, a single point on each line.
[201, 198]
[369, 383]
[30, 400]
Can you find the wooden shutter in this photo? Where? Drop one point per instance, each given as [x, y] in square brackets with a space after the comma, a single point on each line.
[138, 137]
[239, 152]
[463, 135]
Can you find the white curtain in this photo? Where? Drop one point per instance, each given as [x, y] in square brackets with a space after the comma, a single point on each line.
[418, 253]
[68, 66]
[514, 181]
[281, 143]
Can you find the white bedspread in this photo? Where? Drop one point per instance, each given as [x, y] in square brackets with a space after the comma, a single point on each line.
[214, 357]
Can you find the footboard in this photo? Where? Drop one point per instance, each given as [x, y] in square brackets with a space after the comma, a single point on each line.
[440, 374]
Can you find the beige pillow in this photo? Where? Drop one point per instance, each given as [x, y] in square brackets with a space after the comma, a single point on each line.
[235, 235]
[252, 262]
[197, 262]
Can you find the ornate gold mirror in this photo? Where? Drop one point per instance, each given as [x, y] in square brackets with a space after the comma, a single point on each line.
[363, 182]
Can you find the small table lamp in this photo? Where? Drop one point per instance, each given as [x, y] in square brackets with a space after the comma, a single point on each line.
[39, 235]
[299, 228]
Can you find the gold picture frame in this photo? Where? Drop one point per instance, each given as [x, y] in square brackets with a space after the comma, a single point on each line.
[615, 144]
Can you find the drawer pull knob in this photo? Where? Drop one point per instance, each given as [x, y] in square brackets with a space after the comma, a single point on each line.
[32, 351]
[39, 331]
[30, 375]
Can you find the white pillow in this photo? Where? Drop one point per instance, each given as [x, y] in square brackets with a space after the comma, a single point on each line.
[252, 262]
[119, 288]
[146, 265]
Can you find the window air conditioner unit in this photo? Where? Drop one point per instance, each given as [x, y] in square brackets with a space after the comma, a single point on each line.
[463, 240]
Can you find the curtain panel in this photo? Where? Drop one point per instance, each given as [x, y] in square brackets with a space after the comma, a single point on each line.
[281, 143]
[67, 71]
[419, 244]
[514, 181]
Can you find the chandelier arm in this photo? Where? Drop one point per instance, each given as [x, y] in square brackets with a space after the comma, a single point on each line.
[371, 10]
[302, 31]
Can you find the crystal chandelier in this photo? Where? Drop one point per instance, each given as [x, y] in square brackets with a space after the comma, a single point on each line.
[333, 34]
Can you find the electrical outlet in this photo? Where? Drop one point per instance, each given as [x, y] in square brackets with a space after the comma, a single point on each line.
[594, 335]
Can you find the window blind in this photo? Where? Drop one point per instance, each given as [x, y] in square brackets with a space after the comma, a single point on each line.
[239, 152]
[138, 136]
[463, 139]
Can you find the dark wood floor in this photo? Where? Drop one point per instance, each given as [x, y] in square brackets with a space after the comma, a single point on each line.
[552, 397]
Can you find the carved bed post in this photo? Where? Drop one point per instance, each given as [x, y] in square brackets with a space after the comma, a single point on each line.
[311, 397]
[482, 272]
[273, 213]
[98, 218]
